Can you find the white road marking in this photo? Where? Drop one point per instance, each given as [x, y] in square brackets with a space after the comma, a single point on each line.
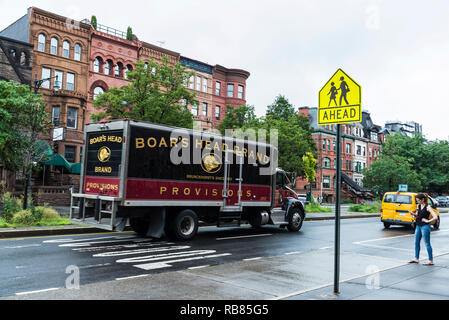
[240, 237]
[167, 264]
[199, 267]
[132, 277]
[20, 247]
[122, 246]
[139, 251]
[37, 291]
[87, 244]
[85, 239]
[164, 256]
[294, 252]
[252, 259]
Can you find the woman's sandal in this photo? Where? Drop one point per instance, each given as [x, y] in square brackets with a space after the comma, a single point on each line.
[428, 264]
[413, 261]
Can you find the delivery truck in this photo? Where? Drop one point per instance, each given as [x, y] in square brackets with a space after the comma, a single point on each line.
[162, 180]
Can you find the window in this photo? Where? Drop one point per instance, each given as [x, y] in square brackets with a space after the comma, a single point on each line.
[46, 73]
[240, 92]
[118, 69]
[97, 65]
[77, 55]
[334, 146]
[72, 118]
[70, 81]
[204, 84]
[54, 46]
[217, 112]
[41, 42]
[66, 49]
[55, 114]
[364, 151]
[326, 182]
[359, 150]
[328, 145]
[326, 163]
[97, 91]
[348, 148]
[217, 88]
[128, 69]
[198, 83]
[70, 153]
[195, 108]
[108, 67]
[59, 76]
[192, 82]
[205, 109]
[230, 91]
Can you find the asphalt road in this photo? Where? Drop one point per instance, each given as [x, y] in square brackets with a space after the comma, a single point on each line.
[226, 263]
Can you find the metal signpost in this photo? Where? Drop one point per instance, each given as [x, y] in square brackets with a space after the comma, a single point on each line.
[339, 101]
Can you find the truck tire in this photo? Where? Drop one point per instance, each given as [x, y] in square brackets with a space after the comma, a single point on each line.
[295, 219]
[184, 225]
[139, 226]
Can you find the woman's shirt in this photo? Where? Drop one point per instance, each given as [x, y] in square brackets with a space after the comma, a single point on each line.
[422, 214]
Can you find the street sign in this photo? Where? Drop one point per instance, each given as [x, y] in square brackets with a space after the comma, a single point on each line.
[340, 100]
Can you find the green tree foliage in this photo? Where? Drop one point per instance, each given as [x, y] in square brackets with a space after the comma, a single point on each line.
[281, 109]
[129, 34]
[93, 22]
[423, 165]
[155, 93]
[22, 119]
[297, 149]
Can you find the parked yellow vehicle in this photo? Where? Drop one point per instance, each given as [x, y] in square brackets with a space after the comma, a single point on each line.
[396, 207]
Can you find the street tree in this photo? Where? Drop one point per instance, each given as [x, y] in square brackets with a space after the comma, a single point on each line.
[22, 119]
[280, 109]
[156, 92]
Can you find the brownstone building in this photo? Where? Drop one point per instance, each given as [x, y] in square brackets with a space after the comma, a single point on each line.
[61, 49]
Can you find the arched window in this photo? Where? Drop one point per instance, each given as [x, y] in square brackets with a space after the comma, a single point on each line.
[77, 54]
[41, 42]
[13, 54]
[97, 64]
[54, 46]
[108, 67]
[66, 49]
[97, 91]
[118, 69]
[128, 68]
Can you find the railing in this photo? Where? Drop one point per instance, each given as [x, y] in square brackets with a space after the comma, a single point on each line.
[111, 31]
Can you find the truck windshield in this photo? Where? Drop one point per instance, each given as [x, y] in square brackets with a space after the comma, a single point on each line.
[398, 198]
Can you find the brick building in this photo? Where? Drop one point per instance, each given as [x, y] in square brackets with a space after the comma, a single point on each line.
[360, 144]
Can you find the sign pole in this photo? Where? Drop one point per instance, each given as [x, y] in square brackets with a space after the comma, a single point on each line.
[337, 214]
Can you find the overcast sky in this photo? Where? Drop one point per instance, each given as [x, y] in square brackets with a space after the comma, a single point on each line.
[398, 51]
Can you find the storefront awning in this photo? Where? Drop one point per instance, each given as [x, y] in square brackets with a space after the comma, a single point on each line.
[58, 161]
[76, 168]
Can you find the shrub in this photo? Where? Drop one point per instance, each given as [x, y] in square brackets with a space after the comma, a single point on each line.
[24, 217]
[37, 213]
[11, 206]
[50, 213]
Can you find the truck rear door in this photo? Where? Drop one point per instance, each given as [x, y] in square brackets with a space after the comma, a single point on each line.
[103, 164]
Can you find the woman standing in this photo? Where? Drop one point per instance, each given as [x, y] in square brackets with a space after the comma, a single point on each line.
[424, 217]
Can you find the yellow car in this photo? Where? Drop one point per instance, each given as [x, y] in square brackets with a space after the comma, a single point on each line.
[396, 207]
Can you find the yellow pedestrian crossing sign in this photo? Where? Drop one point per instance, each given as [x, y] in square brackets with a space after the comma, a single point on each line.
[340, 100]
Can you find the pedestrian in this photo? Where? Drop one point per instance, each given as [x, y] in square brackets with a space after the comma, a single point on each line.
[424, 215]
[344, 90]
[333, 92]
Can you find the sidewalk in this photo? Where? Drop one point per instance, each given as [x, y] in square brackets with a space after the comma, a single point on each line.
[402, 282]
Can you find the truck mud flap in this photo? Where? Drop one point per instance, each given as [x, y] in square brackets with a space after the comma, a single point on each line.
[157, 223]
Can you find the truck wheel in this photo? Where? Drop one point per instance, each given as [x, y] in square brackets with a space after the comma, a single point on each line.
[295, 220]
[387, 225]
[139, 226]
[184, 225]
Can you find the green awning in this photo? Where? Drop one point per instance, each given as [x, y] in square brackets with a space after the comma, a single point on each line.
[58, 161]
[76, 168]
[43, 150]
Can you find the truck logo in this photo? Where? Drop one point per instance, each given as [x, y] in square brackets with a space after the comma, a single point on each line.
[104, 154]
[211, 163]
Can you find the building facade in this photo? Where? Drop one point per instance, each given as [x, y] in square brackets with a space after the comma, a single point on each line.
[360, 144]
